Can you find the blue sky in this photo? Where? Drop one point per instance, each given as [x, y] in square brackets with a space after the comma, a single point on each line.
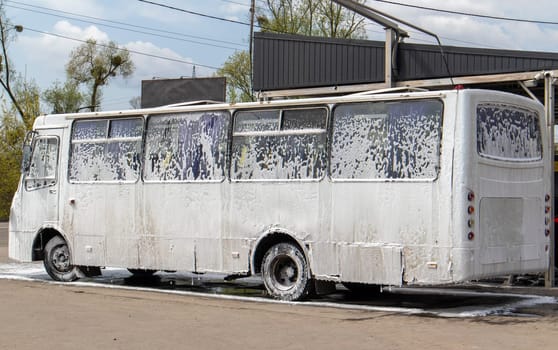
[183, 39]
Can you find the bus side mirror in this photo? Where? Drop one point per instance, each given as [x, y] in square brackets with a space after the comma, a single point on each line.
[26, 159]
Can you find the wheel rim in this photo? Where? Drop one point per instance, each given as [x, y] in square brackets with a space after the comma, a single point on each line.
[60, 258]
[284, 272]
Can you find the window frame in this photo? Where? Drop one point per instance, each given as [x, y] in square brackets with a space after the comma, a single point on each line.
[226, 154]
[388, 179]
[55, 178]
[106, 140]
[283, 132]
[500, 159]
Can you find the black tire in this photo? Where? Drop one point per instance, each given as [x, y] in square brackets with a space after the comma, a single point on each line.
[57, 261]
[285, 272]
[142, 272]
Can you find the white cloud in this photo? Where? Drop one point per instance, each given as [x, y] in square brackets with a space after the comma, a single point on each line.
[462, 30]
[162, 62]
[90, 32]
[45, 57]
[235, 12]
[49, 53]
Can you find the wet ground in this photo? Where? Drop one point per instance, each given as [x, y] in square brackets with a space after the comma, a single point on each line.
[522, 296]
[467, 300]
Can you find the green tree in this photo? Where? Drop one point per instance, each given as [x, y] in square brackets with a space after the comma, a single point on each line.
[66, 98]
[28, 94]
[237, 71]
[95, 64]
[13, 127]
[12, 132]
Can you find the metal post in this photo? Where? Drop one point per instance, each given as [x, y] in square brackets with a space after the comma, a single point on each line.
[549, 116]
[390, 36]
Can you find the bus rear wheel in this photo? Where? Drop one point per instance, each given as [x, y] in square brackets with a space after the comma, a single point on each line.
[285, 272]
[57, 261]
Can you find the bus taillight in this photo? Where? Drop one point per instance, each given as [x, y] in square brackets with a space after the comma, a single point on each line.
[471, 211]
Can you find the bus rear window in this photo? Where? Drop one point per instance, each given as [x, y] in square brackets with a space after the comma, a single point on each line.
[508, 133]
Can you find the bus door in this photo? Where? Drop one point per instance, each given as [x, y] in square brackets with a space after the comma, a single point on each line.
[40, 192]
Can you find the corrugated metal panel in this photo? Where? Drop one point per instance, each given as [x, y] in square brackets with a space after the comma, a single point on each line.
[425, 61]
[160, 92]
[291, 61]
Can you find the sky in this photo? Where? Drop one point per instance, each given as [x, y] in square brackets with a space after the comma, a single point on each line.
[168, 38]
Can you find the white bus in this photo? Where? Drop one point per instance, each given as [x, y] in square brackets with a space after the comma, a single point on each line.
[400, 188]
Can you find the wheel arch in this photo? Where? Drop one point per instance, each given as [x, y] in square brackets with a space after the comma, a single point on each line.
[269, 239]
[42, 237]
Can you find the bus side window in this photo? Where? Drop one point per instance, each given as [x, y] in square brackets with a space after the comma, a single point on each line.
[43, 165]
[386, 140]
[287, 144]
[106, 150]
[188, 146]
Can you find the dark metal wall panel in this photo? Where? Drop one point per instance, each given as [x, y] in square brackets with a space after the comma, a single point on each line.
[291, 61]
[425, 61]
[160, 92]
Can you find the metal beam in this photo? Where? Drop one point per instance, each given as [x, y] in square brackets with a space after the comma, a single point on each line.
[424, 83]
[372, 14]
[549, 80]
[388, 61]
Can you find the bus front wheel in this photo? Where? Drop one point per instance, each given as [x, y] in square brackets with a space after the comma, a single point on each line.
[285, 272]
[57, 261]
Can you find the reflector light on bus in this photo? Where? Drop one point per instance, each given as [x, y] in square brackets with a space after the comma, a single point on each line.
[471, 196]
[471, 236]
[470, 209]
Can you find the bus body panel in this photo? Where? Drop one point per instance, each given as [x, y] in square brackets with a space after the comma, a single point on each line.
[38, 195]
[509, 205]
[379, 231]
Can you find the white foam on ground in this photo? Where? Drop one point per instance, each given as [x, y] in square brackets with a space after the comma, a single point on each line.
[35, 272]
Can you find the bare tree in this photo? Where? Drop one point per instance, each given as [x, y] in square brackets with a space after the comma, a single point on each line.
[135, 102]
[95, 64]
[310, 17]
[6, 73]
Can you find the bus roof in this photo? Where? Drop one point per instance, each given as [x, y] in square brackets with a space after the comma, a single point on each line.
[375, 95]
